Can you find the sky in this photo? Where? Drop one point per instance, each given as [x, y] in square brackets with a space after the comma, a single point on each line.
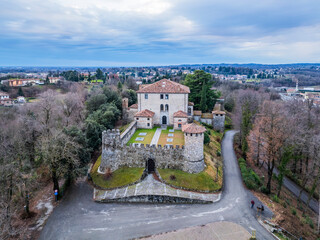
[158, 32]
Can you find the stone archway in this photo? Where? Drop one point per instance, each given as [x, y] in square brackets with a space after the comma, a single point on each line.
[150, 166]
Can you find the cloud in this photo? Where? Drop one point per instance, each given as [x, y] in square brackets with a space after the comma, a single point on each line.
[159, 31]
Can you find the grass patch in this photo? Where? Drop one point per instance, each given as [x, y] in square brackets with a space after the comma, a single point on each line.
[147, 138]
[178, 138]
[281, 236]
[200, 181]
[121, 177]
[123, 128]
[250, 178]
[97, 81]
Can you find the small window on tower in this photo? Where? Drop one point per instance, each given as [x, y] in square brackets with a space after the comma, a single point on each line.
[146, 96]
[167, 96]
[161, 96]
[137, 118]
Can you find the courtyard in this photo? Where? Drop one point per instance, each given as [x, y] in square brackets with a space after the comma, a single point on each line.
[158, 136]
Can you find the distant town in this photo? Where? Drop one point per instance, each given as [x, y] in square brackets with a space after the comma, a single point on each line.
[291, 81]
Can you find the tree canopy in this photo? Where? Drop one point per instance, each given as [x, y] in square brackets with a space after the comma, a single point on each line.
[201, 94]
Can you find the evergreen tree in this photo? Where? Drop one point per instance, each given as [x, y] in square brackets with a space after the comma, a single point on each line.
[47, 81]
[20, 92]
[119, 86]
[195, 82]
[99, 74]
[203, 101]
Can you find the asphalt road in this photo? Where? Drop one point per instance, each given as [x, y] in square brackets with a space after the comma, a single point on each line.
[295, 189]
[78, 217]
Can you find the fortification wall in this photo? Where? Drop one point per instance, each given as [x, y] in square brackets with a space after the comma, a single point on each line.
[116, 154]
[127, 134]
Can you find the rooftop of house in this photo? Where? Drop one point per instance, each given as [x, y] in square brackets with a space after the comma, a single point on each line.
[206, 115]
[163, 86]
[134, 106]
[190, 104]
[144, 113]
[197, 113]
[180, 114]
[4, 94]
[193, 128]
[218, 112]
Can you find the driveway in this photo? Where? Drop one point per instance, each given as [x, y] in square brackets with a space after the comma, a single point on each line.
[78, 217]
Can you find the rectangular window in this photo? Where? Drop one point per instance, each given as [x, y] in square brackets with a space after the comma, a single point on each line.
[167, 96]
[161, 96]
[148, 124]
[179, 125]
[146, 96]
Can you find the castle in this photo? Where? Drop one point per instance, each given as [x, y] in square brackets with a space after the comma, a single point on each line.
[162, 103]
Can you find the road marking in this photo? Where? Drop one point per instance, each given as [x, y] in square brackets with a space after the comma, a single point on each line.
[211, 212]
[125, 192]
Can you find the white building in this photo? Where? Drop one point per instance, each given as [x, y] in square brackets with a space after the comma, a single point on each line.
[4, 95]
[164, 98]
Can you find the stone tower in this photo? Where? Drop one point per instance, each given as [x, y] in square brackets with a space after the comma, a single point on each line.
[125, 108]
[193, 152]
[111, 144]
[218, 120]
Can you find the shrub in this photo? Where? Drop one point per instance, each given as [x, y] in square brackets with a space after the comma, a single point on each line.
[218, 153]
[250, 178]
[206, 139]
[275, 198]
[108, 174]
[284, 204]
[173, 177]
[309, 222]
[293, 211]
[264, 190]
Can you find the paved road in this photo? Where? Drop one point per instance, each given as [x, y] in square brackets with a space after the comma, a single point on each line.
[78, 217]
[295, 189]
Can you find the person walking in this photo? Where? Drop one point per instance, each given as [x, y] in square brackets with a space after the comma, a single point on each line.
[252, 203]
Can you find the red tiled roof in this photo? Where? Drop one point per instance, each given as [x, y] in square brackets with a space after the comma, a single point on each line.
[164, 86]
[180, 114]
[4, 94]
[144, 113]
[135, 106]
[190, 104]
[197, 113]
[193, 128]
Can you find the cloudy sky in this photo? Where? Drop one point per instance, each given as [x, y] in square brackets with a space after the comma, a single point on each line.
[158, 32]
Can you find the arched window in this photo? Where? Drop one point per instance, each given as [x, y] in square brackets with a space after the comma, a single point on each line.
[161, 107]
[167, 107]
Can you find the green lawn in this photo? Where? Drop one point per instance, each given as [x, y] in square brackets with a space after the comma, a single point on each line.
[147, 138]
[178, 138]
[121, 177]
[97, 81]
[200, 181]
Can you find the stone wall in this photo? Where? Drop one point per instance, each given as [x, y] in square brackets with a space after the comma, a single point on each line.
[116, 154]
[144, 122]
[127, 134]
[218, 122]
